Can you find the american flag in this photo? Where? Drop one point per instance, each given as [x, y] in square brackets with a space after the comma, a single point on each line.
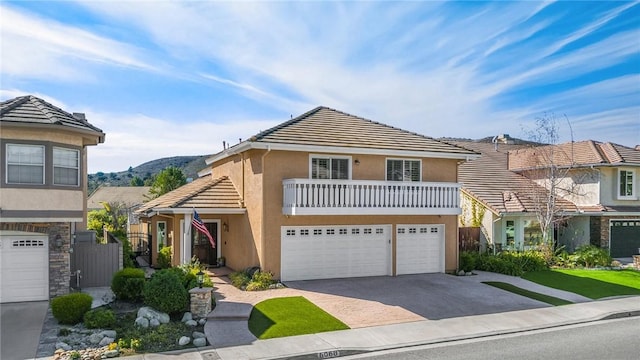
[199, 225]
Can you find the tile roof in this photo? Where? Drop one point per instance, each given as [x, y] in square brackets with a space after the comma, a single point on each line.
[582, 153]
[490, 181]
[33, 110]
[328, 127]
[202, 193]
[128, 195]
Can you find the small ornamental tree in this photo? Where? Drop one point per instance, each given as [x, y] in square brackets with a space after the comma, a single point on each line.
[167, 180]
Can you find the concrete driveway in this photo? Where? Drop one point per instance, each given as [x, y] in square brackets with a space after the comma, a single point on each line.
[20, 328]
[362, 302]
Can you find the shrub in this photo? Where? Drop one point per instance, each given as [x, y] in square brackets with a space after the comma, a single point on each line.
[70, 309]
[190, 272]
[164, 257]
[592, 256]
[239, 279]
[99, 319]
[128, 284]
[512, 263]
[261, 280]
[166, 292]
[467, 261]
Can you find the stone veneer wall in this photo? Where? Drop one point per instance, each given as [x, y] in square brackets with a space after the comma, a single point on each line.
[59, 259]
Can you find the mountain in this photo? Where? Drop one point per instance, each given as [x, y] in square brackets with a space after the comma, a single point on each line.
[190, 165]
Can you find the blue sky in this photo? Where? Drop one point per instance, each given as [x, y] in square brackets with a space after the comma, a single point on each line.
[179, 78]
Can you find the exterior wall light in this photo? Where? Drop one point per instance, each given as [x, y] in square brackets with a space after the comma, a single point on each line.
[200, 278]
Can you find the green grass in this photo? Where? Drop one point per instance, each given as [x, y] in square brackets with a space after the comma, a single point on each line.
[594, 284]
[530, 294]
[290, 316]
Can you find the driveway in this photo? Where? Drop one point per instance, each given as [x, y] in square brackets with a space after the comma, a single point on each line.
[373, 301]
[20, 328]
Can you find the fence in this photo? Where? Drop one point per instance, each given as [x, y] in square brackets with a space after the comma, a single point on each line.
[93, 265]
[469, 238]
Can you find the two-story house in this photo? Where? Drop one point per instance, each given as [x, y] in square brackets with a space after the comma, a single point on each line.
[596, 185]
[323, 195]
[43, 192]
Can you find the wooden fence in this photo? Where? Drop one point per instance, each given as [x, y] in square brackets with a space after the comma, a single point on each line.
[93, 265]
[469, 238]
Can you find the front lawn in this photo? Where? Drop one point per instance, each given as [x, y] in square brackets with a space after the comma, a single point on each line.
[290, 316]
[530, 294]
[594, 284]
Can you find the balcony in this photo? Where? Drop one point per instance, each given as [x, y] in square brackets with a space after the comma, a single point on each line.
[364, 197]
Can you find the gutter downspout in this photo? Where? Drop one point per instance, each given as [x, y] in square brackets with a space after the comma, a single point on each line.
[263, 222]
[494, 232]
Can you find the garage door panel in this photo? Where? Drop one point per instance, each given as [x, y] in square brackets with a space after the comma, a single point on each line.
[625, 237]
[24, 268]
[420, 249]
[324, 252]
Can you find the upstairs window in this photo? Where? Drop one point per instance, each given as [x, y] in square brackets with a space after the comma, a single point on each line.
[403, 170]
[626, 188]
[66, 166]
[330, 168]
[25, 164]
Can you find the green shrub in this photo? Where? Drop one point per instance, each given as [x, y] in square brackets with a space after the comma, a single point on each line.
[592, 256]
[165, 291]
[99, 319]
[261, 280]
[190, 272]
[512, 263]
[239, 279]
[128, 284]
[164, 257]
[467, 261]
[70, 309]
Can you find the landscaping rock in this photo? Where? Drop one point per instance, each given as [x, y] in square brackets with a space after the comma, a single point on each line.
[150, 313]
[186, 317]
[185, 340]
[63, 346]
[198, 335]
[109, 333]
[106, 341]
[202, 321]
[461, 273]
[111, 354]
[191, 323]
[200, 342]
[142, 322]
[154, 322]
[95, 338]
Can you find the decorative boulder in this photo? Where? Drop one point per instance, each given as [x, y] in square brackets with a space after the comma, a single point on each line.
[185, 340]
[95, 338]
[106, 341]
[150, 313]
[200, 342]
[142, 322]
[111, 354]
[202, 321]
[109, 333]
[154, 322]
[186, 317]
[191, 323]
[198, 335]
[62, 345]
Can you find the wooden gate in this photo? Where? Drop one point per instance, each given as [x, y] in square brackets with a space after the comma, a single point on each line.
[469, 238]
[96, 264]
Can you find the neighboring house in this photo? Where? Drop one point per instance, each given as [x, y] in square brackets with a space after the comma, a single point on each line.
[43, 192]
[324, 195]
[131, 197]
[603, 208]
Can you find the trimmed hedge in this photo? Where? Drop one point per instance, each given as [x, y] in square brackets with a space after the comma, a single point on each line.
[509, 263]
[70, 309]
[165, 291]
[99, 319]
[128, 284]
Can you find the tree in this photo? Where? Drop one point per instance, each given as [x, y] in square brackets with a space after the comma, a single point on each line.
[112, 217]
[136, 181]
[552, 173]
[167, 180]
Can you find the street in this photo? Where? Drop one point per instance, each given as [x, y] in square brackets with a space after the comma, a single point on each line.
[611, 339]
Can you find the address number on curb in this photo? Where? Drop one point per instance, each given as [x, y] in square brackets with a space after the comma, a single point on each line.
[329, 354]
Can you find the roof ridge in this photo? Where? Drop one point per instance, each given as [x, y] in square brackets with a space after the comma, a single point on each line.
[294, 120]
[598, 151]
[617, 158]
[13, 103]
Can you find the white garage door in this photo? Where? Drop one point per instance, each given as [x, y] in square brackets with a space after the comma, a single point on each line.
[325, 252]
[25, 267]
[420, 249]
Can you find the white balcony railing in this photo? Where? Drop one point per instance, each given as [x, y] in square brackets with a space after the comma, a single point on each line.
[365, 197]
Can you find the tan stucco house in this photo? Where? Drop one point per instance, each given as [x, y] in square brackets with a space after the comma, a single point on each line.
[323, 195]
[43, 191]
[601, 208]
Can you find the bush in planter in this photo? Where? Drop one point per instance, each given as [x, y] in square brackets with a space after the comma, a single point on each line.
[467, 261]
[70, 309]
[99, 319]
[165, 291]
[128, 283]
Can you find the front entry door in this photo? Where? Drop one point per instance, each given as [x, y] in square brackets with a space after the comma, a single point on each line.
[201, 247]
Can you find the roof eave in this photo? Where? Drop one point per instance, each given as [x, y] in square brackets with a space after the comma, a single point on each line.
[99, 135]
[201, 211]
[338, 150]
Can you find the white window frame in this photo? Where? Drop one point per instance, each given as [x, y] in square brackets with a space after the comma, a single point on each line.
[77, 168]
[329, 157]
[164, 235]
[43, 165]
[634, 191]
[386, 168]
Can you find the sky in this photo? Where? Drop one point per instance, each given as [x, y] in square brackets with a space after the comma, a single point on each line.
[168, 78]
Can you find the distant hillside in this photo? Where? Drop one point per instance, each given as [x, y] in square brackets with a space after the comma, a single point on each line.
[190, 165]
